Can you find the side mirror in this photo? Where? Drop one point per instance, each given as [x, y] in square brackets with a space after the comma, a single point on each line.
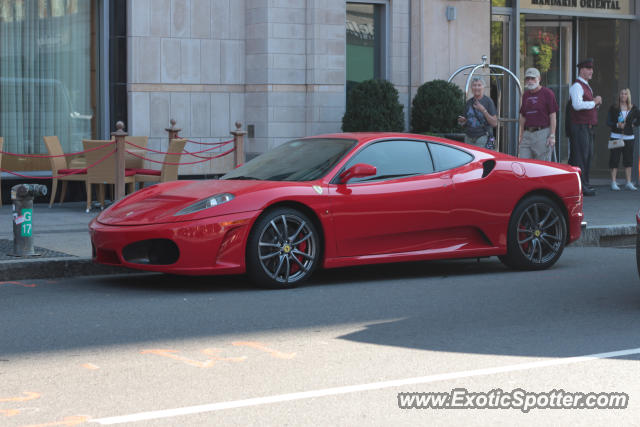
[358, 170]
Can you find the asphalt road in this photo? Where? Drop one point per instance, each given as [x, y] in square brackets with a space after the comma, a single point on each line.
[165, 351]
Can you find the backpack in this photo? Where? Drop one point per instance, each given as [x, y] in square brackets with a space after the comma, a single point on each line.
[567, 117]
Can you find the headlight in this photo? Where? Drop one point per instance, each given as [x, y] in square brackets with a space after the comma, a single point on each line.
[207, 203]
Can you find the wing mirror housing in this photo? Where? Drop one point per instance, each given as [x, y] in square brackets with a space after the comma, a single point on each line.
[358, 170]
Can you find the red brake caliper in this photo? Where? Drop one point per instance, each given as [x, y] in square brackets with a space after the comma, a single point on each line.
[302, 247]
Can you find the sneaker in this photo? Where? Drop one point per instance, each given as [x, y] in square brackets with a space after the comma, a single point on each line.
[588, 192]
[630, 186]
[614, 186]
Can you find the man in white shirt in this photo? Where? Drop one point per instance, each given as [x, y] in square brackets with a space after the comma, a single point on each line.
[584, 118]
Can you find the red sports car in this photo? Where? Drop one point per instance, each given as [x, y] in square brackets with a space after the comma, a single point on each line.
[347, 199]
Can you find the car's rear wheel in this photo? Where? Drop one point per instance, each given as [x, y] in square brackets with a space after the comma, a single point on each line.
[537, 234]
[283, 249]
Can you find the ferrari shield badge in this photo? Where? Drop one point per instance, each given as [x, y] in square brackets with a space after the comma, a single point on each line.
[318, 189]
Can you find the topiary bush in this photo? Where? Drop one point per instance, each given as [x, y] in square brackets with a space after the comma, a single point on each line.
[436, 107]
[373, 106]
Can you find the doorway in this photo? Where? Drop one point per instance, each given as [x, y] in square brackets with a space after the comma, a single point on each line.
[607, 41]
[547, 44]
[502, 90]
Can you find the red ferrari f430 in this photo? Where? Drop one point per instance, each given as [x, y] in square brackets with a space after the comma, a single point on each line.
[347, 199]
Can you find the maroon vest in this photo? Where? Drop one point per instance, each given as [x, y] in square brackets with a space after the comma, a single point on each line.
[585, 117]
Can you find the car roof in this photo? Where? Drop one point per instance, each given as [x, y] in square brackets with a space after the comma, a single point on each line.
[367, 136]
[364, 137]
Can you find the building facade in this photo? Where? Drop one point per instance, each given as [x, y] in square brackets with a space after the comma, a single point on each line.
[282, 68]
[554, 35]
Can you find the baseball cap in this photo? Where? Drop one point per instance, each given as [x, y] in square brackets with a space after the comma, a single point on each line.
[532, 72]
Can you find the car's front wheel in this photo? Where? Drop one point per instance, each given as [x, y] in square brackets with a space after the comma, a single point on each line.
[283, 249]
[537, 234]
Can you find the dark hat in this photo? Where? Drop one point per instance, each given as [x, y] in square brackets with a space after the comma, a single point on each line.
[585, 63]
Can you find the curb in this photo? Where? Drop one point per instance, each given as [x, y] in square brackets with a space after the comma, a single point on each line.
[56, 268]
[608, 236]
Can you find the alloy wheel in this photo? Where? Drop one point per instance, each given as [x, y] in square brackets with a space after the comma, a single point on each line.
[540, 233]
[287, 248]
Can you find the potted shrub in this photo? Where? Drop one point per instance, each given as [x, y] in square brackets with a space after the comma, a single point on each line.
[373, 105]
[436, 107]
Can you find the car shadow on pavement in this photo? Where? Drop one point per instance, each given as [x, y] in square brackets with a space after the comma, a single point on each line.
[170, 283]
[158, 282]
[424, 269]
[566, 311]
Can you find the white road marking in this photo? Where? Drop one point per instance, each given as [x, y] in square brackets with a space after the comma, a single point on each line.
[212, 407]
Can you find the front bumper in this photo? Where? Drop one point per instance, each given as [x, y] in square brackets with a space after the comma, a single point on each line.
[213, 245]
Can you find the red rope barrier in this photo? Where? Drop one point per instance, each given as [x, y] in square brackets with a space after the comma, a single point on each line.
[178, 164]
[222, 143]
[214, 157]
[57, 155]
[79, 171]
[164, 152]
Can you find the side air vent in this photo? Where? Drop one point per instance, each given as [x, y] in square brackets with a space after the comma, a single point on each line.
[487, 167]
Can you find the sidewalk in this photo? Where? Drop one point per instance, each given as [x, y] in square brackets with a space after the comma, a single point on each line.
[610, 216]
[61, 235]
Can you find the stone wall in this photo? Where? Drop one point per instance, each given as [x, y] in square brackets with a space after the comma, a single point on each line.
[439, 47]
[186, 60]
[275, 65]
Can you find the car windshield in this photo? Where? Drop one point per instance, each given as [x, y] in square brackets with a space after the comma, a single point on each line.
[297, 160]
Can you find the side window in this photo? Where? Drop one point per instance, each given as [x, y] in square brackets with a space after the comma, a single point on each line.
[394, 159]
[445, 157]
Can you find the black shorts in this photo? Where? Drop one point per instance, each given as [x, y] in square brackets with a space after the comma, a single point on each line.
[626, 152]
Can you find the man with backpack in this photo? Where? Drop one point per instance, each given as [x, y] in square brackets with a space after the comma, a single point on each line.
[480, 117]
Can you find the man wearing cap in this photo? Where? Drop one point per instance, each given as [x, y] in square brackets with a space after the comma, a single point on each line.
[537, 135]
[584, 118]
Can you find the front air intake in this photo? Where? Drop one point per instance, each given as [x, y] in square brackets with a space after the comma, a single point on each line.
[151, 252]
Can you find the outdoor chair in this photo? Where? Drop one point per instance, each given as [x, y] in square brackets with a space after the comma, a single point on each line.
[59, 167]
[105, 171]
[167, 172]
[131, 161]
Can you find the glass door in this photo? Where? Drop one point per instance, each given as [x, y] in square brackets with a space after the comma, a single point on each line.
[607, 41]
[500, 83]
[546, 44]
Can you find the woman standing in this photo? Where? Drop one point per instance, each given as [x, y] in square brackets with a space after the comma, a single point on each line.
[621, 119]
[479, 117]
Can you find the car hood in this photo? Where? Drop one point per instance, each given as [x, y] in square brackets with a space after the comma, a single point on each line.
[159, 203]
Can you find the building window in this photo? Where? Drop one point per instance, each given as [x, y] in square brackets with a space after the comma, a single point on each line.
[365, 42]
[47, 75]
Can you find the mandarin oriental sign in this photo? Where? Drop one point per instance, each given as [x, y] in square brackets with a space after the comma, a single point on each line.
[577, 7]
